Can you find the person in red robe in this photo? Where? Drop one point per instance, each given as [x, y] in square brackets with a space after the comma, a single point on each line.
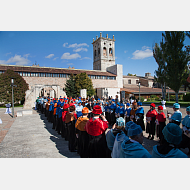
[96, 127]
[160, 122]
[151, 118]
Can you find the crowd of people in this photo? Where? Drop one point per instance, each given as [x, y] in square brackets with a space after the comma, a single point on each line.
[107, 128]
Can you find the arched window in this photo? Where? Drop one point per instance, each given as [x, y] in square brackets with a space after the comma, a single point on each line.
[95, 53]
[104, 51]
[110, 52]
[98, 51]
[129, 81]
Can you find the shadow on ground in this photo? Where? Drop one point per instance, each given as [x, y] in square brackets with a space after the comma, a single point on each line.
[60, 142]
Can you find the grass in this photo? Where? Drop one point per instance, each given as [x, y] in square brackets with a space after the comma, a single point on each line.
[170, 103]
[15, 106]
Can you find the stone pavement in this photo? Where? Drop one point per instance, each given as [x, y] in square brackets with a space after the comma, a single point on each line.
[32, 136]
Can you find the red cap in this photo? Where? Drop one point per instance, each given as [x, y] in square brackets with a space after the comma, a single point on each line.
[65, 100]
[72, 104]
[153, 105]
[53, 98]
[160, 107]
[97, 110]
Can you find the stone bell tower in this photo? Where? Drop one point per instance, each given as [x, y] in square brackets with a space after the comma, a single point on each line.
[103, 53]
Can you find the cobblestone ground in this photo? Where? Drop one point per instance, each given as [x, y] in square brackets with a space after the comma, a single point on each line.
[32, 136]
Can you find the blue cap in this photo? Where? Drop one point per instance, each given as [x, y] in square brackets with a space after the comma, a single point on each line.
[128, 104]
[121, 105]
[139, 103]
[128, 124]
[118, 103]
[176, 105]
[120, 122]
[113, 100]
[58, 103]
[98, 98]
[79, 101]
[172, 133]
[134, 129]
[188, 108]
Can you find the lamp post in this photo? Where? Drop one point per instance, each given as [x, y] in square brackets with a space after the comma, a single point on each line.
[12, 84]
[139, 89]
[168, 94]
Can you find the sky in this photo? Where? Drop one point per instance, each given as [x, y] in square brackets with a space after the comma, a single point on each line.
[133, 49]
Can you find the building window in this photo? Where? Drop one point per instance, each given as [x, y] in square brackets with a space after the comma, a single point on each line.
[68, 75]
[104, 51]
[32, 74]
[92, 77]
[55, 75]
[129, 81]
[42, 74]
[98, 51]
[98, 77]
[63, 75]
[48, 74]
[137, 81]
[110, 52]
[95, 53]
[108, 77]
[104, 77]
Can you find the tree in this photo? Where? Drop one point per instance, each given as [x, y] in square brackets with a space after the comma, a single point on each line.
[70, 86]
[160, 73]
[6, 89]
[82, 81]
[175, 58]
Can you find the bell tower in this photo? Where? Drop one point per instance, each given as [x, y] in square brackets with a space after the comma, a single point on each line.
[103, 52]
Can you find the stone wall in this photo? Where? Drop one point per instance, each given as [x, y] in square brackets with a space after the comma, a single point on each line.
[97, 83]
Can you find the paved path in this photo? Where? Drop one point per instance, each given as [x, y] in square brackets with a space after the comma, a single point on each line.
[32, 136]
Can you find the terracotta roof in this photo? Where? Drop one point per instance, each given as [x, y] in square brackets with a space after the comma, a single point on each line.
[147, 90]
[53, 70]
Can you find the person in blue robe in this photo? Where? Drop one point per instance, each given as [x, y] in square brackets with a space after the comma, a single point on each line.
[132, 147]
[111, 134]
[119, 138]
[117, 110]
[139, 115]
[121, 110]
[79, 108]
[112, 112]
[185, 143]
[172, 137]
[127, 113]
[176, 117]
[50, 119]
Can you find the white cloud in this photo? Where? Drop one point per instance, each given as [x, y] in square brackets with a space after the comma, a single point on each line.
[70, 56]
[77, 45]
[85, 58]
[55, 58]
[80, 49]
[144, 53]
[65, 44]
[2, 61]
[26, 55]
[70, 64]
[49, 56]
[18, 60]
[125, 51]
[8, 53]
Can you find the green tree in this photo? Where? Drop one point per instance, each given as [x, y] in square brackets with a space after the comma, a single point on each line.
[175, 58]
[82, 81]
[6, 89]
[70, 86]
[160, 76]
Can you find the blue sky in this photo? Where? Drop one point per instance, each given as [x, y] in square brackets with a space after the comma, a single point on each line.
[133, 49]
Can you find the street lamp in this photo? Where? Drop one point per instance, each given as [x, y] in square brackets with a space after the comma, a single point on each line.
[12, 84]
[168, 94]
[139, 89]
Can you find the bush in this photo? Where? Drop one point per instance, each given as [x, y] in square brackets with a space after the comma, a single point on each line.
[141, 99]
[186, 97]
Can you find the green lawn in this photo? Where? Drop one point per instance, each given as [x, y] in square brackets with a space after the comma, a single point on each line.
[170, 103]
[15, 106]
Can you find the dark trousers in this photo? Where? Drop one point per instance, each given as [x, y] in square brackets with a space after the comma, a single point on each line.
[83, 141]
[63, 129]
[72, 136]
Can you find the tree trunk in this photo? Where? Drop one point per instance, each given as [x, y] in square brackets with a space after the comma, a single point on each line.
[176, 96]
[162, 91]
